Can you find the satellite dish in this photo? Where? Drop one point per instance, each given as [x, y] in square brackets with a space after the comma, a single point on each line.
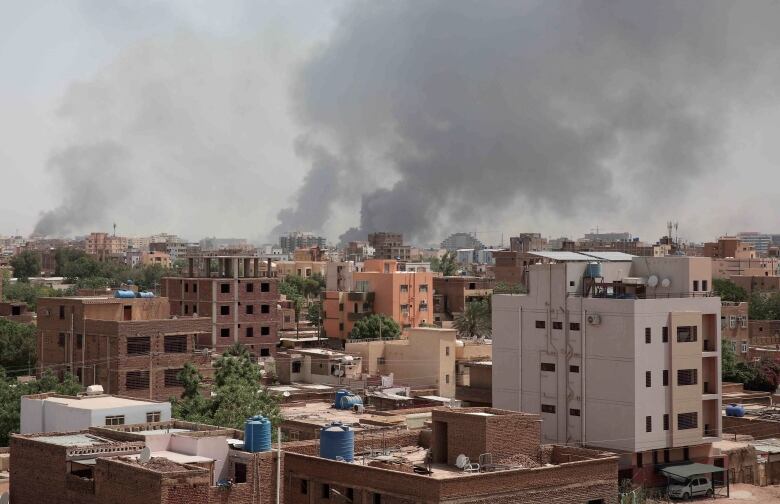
[666, 282]
[5, 498]
[461, 461]
[145, 456]
[286, 394]
[652, 281]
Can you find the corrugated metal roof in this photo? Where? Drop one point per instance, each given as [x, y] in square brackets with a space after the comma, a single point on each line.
[684, 471]
[561, 255]
[610, 256]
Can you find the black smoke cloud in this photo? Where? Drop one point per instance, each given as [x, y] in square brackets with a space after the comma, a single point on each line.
[445, 111]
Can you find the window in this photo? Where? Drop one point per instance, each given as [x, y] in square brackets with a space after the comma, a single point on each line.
[250, 287]
[250, 332]
[341, 306]
[596, 501]
[224, 288]
[687, 377]
[224, 332]
[574, 326]
[447, 378]
[265, 331]
[377, 498]
[744, 347]
[350, 495]
[574, 412]
[540, 324]
[548, 366]
[648, 335]
[186, 309]
[224, 310]
[404, 288]
[639, 460]
[194, 287]
[266, 352]
[423, 307]
[79, 341]
[666, 377]
[152, 416]
[666, 451]
[686, 334]
[304, 487]
[175, 344]
[648, 424]
[240, 472]
[472, 285]
[405, 309]
[61, 339]
[665, 334]
[571, 283]
[265, 287]
[264, 308]
[574, 369]
[250, 309]
[648, 379]
[325, 491]
[666, 427]
[686, 453]
[186, 287]
[558, 325]
[62, 312]
[115, 420]
[447, 351]
[137, 380]
[687, 421]
[172, 378]
[138, 345]
[704, 285]
[296, 365]
[548, 408]
[424, 288]
[695, 286]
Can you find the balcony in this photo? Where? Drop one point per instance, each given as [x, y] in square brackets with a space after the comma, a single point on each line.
[367, 297]
[354, 317]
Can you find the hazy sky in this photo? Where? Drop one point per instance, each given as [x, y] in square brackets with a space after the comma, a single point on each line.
[209, 118]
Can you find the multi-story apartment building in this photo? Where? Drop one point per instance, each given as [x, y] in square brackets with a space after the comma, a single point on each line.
[389, 246]
[453, 293]
[760, 241]
[527, 242]
[757, 283]
[105, 245]
[461, 241]
[299, 239]
[727, 268]
[620, 354]
[235, 293]
[131, 347]
[734, 327]
[729, 247]
[406, 297]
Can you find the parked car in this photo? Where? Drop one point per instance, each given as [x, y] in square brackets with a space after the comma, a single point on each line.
[694, 487]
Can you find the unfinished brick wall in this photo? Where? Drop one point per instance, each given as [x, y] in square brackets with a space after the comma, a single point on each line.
[759, 429]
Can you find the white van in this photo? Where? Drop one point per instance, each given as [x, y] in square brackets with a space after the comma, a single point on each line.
[696, 486]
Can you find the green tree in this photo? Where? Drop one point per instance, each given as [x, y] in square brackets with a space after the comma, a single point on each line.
[26, 265]
[11, 393]
[508, 288]
[17, 347]
[447, 264]
[728, 290]
[314, 314]
[376, 326]
[474, 321]
[764, 306]
[28, 293]
[190, 378]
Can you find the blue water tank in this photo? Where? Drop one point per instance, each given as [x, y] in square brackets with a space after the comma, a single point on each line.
[146, 294]
[736, 410]
[257, 434]
[593, 270]
[124, 294]
[339, 394]
[337, 441]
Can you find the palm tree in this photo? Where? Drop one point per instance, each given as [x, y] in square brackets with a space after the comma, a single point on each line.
[447, 265]
[474, 321]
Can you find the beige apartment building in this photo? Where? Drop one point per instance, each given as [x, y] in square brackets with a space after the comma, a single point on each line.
[620, 354]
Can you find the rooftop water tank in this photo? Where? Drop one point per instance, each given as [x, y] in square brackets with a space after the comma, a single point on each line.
[257, 434]
[124, 294]
[337, 442]
[735, 410]
[593, 270]
[146, 294]
[339, 394]
[345, 400]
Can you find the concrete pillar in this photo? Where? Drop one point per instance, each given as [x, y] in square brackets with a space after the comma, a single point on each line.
[257, 267]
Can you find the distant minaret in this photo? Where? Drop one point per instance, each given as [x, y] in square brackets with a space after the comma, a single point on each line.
[115, 229]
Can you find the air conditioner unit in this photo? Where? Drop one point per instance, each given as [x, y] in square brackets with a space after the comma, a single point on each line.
[594, 319]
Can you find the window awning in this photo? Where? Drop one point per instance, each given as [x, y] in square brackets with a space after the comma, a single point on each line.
[683, 472]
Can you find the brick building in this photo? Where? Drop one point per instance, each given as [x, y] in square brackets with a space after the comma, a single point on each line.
[131, 347]
[452, 294]
[764, 332]
[734, 327]
[15, 311]
[389, 246]
[757, 283]
[104, 245]
[236, 294]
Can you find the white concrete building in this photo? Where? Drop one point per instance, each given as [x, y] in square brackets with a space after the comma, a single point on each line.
[621, 354]
[57, 413]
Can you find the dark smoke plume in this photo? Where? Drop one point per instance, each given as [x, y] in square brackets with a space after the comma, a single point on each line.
[446, 110]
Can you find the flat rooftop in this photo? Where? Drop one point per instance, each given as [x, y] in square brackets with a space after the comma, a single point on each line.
[98, 402]
[74, 440]
[322, 413]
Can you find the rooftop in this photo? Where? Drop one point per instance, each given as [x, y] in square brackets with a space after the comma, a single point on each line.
[322, 412]
[94, 402]
[80, 439]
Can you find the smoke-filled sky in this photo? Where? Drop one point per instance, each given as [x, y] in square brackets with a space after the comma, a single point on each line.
[250, 118]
